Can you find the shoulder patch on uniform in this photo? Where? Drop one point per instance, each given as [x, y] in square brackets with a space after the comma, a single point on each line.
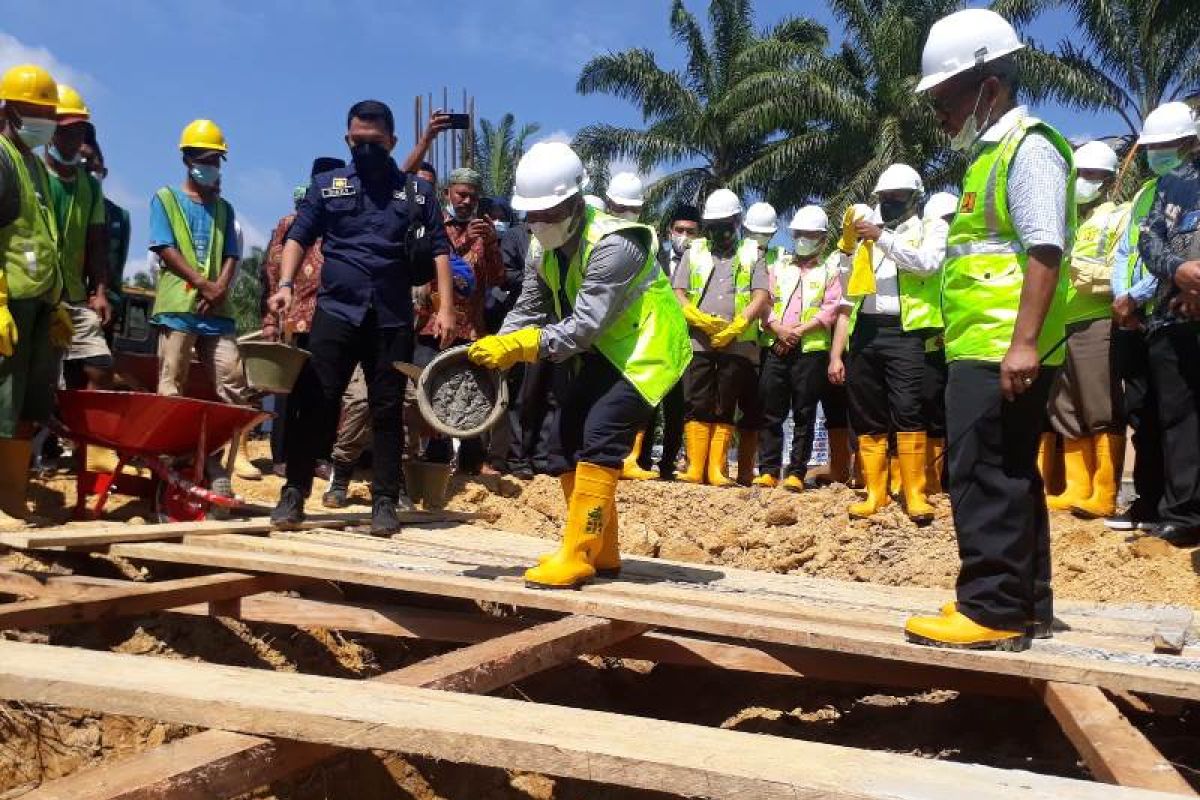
[968, 203]
[340, 187]
[401, 194]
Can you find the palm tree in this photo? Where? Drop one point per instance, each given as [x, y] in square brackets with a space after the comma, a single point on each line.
[689, 125]
[498, 148]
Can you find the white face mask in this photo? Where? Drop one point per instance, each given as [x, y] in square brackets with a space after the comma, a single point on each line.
[680, 242]
[806, 246]
[553, 235]
[36, 132]
[1086, 191]
[763, 239]
[60, 158]
[969, 134]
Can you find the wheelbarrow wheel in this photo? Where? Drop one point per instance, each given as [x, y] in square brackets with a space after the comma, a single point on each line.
[172, 504]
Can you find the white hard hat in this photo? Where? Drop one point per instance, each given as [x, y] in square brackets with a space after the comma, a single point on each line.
[1168, 123]
[899, 176]
[625, 189]
[940, 204]
[1096, 155]
[595, 201]
[547, 175]
[962, 40]
[721, 204]
[810, 218]
[761, 218]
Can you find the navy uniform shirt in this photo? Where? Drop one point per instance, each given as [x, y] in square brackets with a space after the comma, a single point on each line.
[363, 230]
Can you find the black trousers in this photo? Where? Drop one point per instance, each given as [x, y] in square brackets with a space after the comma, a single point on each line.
[283, 413]
[753, 406]
[1131, 357]
[933, 393]
[884, 376]
[835, 404]
[997, 497]
[1175, 380]
[600, 415]
[536, 420]
[503, 438]
[670, 411]
[440, 449]
[314, 407]
[716, 384]
[791, 383]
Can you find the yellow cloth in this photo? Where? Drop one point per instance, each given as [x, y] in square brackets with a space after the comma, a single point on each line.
[710, 324]
[505, 350]
[730, 332]
[862, 272]
[61, 329]
[8, 326]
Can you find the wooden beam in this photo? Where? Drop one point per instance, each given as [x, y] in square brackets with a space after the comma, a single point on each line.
[139, 598]
[1113, 749]
[606, 748]
[832, 632]
[217, 764]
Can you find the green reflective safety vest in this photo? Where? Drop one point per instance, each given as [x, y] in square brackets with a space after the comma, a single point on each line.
[175, 295]
[648, 342]
[30, 242]
[1089, 291]
[920, 295]
[72, 239]
[985, 262]
[701, 263]
[1139, 210]
[786, 280]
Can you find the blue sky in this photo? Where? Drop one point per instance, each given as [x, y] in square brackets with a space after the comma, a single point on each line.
[278, 75]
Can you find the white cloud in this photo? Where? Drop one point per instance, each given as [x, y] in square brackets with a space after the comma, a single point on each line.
[559, 135]
[13, 51]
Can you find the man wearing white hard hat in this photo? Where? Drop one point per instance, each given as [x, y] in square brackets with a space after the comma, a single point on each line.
[806, 293]
[721, 281]
[1168, 133]
[939, 211]
[1003, 298]
[1085, 402]
[598, 304]
[625, 196]
[1170, 247]
[890, 308]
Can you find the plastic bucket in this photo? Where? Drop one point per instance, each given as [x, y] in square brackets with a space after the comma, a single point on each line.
[427, 483]
[458, 398]
[272, 366]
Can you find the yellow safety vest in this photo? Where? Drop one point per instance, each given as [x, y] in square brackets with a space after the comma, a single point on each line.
[174, 295]
[786, 281]
[701, 264]
[1089, 293]
[30, 242]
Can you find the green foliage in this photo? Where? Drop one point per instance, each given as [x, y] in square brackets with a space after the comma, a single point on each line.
[144, 280]
[498, 148]
[245, 293]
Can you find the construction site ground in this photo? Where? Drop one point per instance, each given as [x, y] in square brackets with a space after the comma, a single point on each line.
[773, 531]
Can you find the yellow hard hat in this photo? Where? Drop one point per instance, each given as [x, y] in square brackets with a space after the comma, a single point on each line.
[203, 134]
[71, 107]
[29, 83]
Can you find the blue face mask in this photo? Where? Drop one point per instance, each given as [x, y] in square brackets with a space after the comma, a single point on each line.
[205, 174]
[1163, 161]
[60, 158]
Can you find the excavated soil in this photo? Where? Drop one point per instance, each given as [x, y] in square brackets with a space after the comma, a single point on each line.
[747, 528]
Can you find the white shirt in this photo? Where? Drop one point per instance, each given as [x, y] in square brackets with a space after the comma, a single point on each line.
[886, 299]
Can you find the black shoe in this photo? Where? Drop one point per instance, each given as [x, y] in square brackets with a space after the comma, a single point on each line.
[384, 520]
[1178, 535]
[1132, 520]
[336, 496]
[523, 473]
[1042, 630]
[289, 512]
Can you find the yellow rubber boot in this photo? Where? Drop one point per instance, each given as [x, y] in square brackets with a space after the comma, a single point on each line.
[911, 453]
[608, 561]
[1109, 450]
[895, 479]
[1079, 460]
[873, 456]
[935, 465]
[567, 482]
[696, 438]
[793, 483]
[630, 470]
[839, 456]
[766, 481]
[958, 631]
[718, 455]
[1046, 458]
[592, 503]
[15, 455]
[747, 455]
[243, 467]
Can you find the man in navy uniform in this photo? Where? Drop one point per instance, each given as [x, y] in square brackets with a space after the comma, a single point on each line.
[364, 311]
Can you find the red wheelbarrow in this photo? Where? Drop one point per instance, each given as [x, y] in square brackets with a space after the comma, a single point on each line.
[171, 437]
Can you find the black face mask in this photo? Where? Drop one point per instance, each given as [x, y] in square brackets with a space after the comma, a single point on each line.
[723, 236]
[894, 211]
[370, 157]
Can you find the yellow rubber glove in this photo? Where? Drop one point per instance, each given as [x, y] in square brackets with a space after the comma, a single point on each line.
[504, 350]
[862, 272]
[8, 326]
[730, 332]
[711, 324]
[849, 237]
[61, 329]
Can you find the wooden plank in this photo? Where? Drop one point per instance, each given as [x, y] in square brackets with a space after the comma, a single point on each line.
[1114, 750]
[138, 599]
[596, 746]
[21, 584]
[221, 764]
[1148, 674]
